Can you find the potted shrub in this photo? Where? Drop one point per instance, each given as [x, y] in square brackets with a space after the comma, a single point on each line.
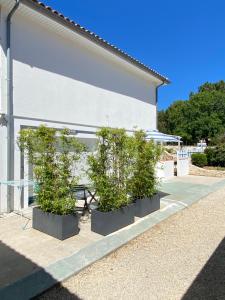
[143, 182]
[109, 169]
[52, 154]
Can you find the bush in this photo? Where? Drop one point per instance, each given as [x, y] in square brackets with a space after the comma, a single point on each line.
[216, 155]
[143, 181]
[110, 167]
[52, 154]
[199, 159]
[123, 169]
[211, 156]
[170, 150]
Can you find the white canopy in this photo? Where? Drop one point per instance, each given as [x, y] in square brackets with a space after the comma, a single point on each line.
[162, 137]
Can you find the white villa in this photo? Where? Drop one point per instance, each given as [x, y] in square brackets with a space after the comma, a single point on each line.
[55, 72]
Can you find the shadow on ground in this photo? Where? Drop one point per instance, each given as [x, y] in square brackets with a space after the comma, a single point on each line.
[58, 293]
[14, 266]
[210, 282]
[162, 194]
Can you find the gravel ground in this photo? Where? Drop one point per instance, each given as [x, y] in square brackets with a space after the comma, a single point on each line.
[181, 258]
[209, 172]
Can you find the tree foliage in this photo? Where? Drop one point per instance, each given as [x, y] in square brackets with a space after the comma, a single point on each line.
[52, 154]
[200, 117]
[110, 168]
[216, 155]
[145, 155]
[123, 168]
[217, 86]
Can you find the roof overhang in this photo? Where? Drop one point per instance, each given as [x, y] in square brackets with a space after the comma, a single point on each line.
[66, 22]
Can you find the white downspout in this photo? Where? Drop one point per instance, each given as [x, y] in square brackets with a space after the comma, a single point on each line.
[10, 121]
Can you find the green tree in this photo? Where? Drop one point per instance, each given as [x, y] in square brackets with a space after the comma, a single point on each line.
[200, 117]
[162, 121]
[207, 119]
[217, 86]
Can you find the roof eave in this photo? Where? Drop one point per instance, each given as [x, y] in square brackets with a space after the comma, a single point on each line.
[56, 16]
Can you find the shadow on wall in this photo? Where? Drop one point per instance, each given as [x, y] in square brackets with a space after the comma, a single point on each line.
[46, 50]
[210, 282]
[14, 266]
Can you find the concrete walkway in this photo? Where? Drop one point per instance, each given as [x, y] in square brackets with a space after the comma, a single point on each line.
[31, 262]
[183, 257]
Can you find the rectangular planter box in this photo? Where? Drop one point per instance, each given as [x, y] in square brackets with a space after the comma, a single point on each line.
[105, 223]
[144, 207]
[60, 227]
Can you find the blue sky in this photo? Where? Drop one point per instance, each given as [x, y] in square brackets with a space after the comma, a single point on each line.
[182, 39]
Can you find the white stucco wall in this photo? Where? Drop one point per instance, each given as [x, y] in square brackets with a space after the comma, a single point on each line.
[182, 166]
[74, 81]
[64, 80]
[165, 169]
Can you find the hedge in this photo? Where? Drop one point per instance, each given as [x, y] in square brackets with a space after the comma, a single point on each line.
[199, 159]
[216, 155]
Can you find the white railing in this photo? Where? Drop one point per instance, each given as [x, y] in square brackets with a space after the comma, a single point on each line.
[190, 151]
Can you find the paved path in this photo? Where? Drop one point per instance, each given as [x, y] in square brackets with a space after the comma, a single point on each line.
[181, 258]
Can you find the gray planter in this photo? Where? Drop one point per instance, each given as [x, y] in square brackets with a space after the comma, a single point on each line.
[105, 223]
[60, 227]
[144, 207]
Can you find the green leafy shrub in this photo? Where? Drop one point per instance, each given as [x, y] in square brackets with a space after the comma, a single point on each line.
[53, 154]
[199, 159]
[170, 150]
[143, 181]
[110, 167]
[216, 155]
[211, 157]
[123, 169]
